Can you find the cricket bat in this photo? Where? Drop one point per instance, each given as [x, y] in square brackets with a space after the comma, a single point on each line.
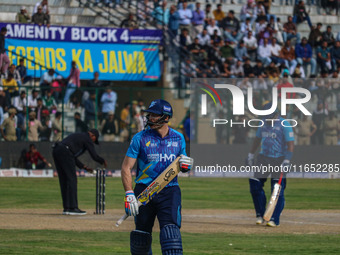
[273, 200]
[156, 186]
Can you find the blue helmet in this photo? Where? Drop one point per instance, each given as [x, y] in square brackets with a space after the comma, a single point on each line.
[160, 107]
[267, 106]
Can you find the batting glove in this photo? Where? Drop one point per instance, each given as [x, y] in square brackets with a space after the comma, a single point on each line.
[185, 163]
[285, 165]
[131, 204]
[250, 159]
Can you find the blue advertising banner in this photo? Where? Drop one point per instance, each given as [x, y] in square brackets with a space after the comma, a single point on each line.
[117, 54]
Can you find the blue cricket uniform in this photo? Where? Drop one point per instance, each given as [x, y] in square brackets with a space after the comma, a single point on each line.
[273, 150]
[154, 154]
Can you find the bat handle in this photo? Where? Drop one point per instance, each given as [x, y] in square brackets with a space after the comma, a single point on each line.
[120, 221]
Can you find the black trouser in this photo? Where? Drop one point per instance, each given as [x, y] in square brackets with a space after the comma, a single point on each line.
[66, 168]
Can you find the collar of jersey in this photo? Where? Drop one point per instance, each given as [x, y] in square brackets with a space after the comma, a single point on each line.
[155, 133]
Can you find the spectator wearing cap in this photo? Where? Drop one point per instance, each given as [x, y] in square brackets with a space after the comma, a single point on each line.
[315, 36]
[290, 31]
[303, 53]
[40, 18]
[21, 68]
[331, 129]
[197, 20]
[4, 60]
[248, 11]
[108, 100]
[218, 13]
[9, 125]
[231, 27]
[57, 127]
[22, 17]
[34, 126]
[32, 100]
[185, 16]
[110, 128]
[288, 55]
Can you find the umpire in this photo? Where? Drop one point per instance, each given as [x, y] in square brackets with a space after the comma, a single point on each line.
[65, 155]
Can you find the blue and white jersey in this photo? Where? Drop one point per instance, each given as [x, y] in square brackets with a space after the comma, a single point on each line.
[274, 139]
[154, 153]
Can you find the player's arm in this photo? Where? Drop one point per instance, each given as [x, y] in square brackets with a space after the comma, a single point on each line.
[255, 146]
[127, 166]
[131, 204]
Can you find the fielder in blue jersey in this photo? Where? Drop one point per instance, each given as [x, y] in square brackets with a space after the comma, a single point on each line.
[277, 145]
[154, 149]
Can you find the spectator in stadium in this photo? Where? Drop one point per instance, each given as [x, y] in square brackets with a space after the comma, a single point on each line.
[4, 60]
[197, 50]
[185, 16]
[22, 17]
[251, 44]
[20, 104]
[125, 120]
[40, 18]
[3, 100]
[198, 20]
[303, 54]
[15, 73]
[129, 22]
[45, 133]
[49, 102]
[305, 130]
[173, 21]
[318, 118]
[57, 127]
[32, 100]
[315, 36]
[300, 14]
[10, 87]
[39, 109]
[241, 53]
[288, 55]
[246, 27]
[328, 36]
[108, 100]
[46, 81]
[144, 9]
[73, 81]
[231, 27]
[218, 13]
[34, 126]
[90, 110]
[32, 158]
[204, 38]
[264, 53]
[80, 125]
[248, 11]
[9, 125]
[260, 11]
[208, 14]
[57, 88]
[290, 30]
[212, 27]
[161, 15]
[324, 57]
[237, 70]
[335, 55]
[21, 68]
[110, 127]
[276, 55]
[331, 129]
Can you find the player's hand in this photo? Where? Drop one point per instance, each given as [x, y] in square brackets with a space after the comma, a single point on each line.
[105, 164]
[250, 159]
[88, 169]
[286, 164]
[131, 205]
[185, 163]
[49, 165]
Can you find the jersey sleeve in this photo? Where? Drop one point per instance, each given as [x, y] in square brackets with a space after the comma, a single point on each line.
[258, 133]
[288, 134]
[134, 147]
[183, 146]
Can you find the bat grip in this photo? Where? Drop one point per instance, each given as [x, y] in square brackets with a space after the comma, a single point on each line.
[120, 221]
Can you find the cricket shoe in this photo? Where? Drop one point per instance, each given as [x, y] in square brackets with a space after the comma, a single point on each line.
[76, 211]
[272, 224]
[66, 212]
[259, 220]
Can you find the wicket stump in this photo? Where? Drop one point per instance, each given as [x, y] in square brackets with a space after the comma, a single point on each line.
[100, 191]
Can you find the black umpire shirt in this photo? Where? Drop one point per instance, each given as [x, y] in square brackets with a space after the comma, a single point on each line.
[78, 143]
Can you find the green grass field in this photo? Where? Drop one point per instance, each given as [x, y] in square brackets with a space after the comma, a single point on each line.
[197, 193]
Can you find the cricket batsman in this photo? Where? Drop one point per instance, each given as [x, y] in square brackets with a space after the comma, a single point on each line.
[277, 145]
[154, 149]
